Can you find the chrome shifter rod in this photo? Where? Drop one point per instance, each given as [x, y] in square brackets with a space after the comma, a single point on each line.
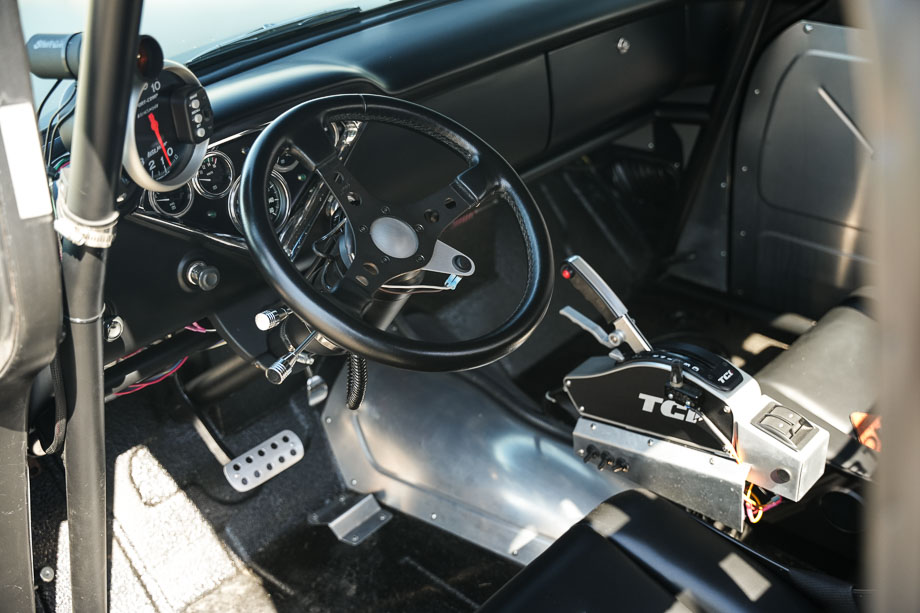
[284, 366]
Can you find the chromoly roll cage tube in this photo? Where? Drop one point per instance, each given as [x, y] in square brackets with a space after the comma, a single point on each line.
[106, 65]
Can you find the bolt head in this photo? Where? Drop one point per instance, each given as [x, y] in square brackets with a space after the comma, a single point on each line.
[354, 482]
[385, 210]
[650, 442]
[623, 46]
[328, 420]
[419, 227]
[581, 452]
[726, 409]
[808, 28]
[434, 516]
[354, 539]
[420, 259]
[384, 260]
[46, 574]
[362, 229]
[756, 92]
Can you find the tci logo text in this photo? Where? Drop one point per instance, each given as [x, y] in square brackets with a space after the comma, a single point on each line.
[669, 408]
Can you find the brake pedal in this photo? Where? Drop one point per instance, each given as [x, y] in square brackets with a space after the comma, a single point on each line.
[264, 461]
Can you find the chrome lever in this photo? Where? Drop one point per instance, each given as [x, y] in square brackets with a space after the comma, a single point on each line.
[284, 366]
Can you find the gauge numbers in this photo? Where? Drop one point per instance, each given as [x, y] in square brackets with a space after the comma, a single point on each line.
[277, 198]
[172, 204]
[215, 177]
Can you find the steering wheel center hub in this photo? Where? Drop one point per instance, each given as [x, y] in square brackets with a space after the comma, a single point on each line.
[394, 237]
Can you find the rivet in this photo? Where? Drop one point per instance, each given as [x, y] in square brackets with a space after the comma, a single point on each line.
[354, 482]
[581, 452]
[650, 442]
[623, 46]
[328, 420]
[808, 28]
[594, 426]
[582, 409]
[756, 92]
[744, 169]
[723, 184]
[46, 574]
[354, 539]
[434, 516]
[726, 409]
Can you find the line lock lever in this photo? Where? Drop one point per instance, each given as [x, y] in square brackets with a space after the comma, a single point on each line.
[596, 291]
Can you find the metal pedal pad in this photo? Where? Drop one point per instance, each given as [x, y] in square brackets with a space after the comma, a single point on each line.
[264, 461]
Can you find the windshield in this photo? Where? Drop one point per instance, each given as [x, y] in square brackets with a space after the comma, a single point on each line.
[183, 28]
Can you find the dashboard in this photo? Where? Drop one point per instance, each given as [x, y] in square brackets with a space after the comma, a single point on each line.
[538, 80]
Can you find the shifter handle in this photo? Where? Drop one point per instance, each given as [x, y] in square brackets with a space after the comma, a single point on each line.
[602, 297]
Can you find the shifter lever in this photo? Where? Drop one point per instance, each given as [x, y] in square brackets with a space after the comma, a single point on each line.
[586, 280]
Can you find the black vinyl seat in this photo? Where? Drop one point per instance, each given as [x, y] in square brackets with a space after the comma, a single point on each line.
[637, 552]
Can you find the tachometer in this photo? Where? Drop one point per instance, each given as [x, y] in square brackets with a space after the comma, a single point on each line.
[168, 129]
[215, 176]
[277, 197]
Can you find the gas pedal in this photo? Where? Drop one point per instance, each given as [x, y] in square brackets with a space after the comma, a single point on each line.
[264, 461]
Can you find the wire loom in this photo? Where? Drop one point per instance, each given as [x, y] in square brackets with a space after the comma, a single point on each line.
[357, 381]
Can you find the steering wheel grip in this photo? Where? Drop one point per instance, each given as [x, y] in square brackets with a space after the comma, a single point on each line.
[304, 131]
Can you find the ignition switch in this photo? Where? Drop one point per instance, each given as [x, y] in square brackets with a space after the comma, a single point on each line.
[201, 275]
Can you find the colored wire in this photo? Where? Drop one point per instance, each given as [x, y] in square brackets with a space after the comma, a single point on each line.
[136, 387]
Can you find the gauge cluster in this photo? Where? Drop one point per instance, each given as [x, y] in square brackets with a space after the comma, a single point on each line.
[209, 202]
[184, 178]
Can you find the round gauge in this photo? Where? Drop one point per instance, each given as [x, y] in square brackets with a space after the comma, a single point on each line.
[172, 204]
[286, 161]
[169, 124]
[215, 177]
[277, 198]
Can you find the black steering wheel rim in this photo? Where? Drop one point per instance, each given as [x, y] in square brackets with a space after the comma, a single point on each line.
[301, 130]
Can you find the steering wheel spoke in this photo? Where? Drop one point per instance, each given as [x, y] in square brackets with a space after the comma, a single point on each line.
[433, 213]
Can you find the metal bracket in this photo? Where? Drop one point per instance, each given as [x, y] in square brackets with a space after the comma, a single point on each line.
[352, 522]
[79, 231]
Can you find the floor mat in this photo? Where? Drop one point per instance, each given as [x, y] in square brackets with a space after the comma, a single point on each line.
[183, 540]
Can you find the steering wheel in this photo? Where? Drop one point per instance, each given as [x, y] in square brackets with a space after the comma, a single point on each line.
[390, 239]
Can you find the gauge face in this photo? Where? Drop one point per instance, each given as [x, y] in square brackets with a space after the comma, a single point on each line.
[215, 177]
[155, 134]
[277, 199]
[286, 161]
[173, 204]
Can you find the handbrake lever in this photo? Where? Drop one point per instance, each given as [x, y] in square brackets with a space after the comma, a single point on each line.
[602, 297]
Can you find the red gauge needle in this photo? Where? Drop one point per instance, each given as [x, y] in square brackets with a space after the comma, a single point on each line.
[155, 126]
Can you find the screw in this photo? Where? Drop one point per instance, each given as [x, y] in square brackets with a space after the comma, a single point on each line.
[354, 482]
[650, 442]
[756, 92]
[383, 517]
[623, 46]
[723, 184]
[385, 210]
[808, 28]
[594, 426]
[419, 227]
[46, 574]
[726, 409]
[712, 460]
[434, 516]
[328, 420]
[581, 452]
[362, 229]
[744, 169]
[742, 233]
[354, 539]
[420, 259]
[384, 260]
